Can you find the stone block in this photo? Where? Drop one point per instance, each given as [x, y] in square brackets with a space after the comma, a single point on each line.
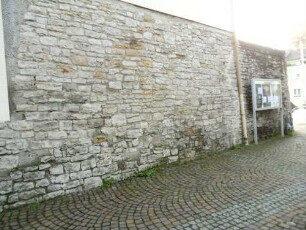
[49, 86]
[60, 179]
[115, 85]
[169, 38]
[9, 134]
[3, 200]
[13, 198]
[100, 171]
[79, 60]
[23, 186]
[21, 125]
[72, 167]
[132, 154]
[73, 184]
[16, 175]
[26, 108]
[8, 162]
[46, 125]
[76, 31]
[80, 157]
[31, 194]
[53, 195]
[39, 116]
[57, 135]
[49, 41]
[134, 133]
[92, 182]
[57, 170]
[30, 176]
[118, 120]
[174, 152]
[88, 164]
[47, 159]
[54, 187]
[6, 187]
[44, 166]
[17, 144]
[80, 175]
[42, 183]
[91, 108]
[65, 125]
[95, 123]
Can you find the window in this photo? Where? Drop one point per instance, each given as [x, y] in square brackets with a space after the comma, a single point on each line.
[4, 104]
[297, 93]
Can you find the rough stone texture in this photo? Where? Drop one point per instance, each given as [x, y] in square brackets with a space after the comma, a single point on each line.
[103, 89]
[262, 62]
[255, 187]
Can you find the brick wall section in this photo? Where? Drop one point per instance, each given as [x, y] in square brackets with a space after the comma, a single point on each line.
[103, 89]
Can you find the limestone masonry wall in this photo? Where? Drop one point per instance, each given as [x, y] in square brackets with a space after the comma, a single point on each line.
[102, 88]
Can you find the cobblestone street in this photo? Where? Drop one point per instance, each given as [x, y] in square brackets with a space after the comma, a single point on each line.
[255, 187]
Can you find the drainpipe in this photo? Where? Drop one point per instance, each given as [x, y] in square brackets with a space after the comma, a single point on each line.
[239, 80]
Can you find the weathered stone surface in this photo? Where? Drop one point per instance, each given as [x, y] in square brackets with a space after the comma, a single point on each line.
[169, 38]
[6, 187]
[30, 176]
[119, 120]
[19, 187]
[16, 175]
[134, 133]
[99, 139]
[50, 41]
[8, 162]
[57, 170]
[21, 125]
[30, 194]
[79, 60]
[81, 175]
[92, 182]
[42, 183]
[3, 200]
[60, 179]
[88, 164]
[106, 88]
[72, 167]
[115, 85]
[47, 159]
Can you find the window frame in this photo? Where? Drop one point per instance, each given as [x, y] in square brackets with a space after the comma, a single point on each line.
[297, 92]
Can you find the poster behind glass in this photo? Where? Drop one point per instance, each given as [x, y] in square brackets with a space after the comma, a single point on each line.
[268, 94]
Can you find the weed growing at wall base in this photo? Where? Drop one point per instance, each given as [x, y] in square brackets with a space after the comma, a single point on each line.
[107, 183]
[147, 173]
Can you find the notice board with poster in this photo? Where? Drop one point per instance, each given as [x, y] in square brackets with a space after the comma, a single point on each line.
[266, 94]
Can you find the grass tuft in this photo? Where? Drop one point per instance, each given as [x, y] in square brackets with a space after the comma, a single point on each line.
[147, 173]
[107, 183]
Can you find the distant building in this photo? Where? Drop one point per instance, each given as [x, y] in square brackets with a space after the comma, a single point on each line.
[296, 77]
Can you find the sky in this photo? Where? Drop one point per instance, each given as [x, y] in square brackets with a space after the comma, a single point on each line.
[266, 22]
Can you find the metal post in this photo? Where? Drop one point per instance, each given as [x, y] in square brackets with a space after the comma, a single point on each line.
[282, 122]
[254, 112]
[282, 111]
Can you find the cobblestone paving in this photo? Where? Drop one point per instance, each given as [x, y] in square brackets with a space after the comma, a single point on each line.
[256, 187]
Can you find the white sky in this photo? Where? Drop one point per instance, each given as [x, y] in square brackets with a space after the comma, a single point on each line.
[265, 22]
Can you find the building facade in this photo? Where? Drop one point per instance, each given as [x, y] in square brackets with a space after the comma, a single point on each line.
[296, 77]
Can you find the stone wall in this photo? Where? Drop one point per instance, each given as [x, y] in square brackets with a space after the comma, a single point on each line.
[102, 89]
[266, 63]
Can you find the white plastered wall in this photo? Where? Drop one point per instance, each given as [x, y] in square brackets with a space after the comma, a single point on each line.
[4, 104]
